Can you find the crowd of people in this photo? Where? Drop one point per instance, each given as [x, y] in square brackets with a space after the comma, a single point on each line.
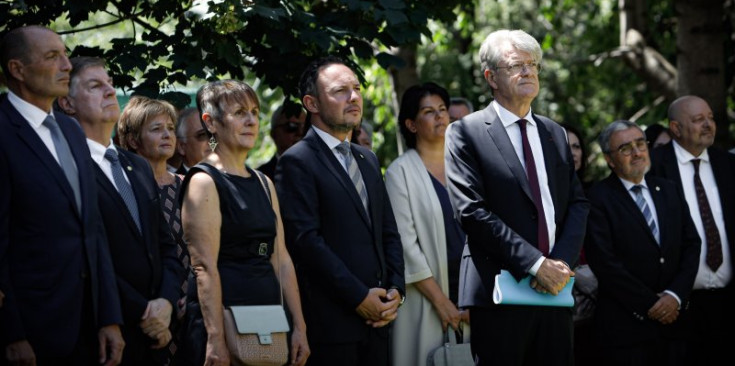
[110, 255]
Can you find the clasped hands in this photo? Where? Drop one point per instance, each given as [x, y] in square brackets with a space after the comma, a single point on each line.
[155, 322]
[551, 277]
[665, 310]
[379, 307]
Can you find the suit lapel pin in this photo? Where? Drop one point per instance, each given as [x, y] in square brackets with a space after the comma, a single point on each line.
[658, 188]
[361, 156]
[130, 168]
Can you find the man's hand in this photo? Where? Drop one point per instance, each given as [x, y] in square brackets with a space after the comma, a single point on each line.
[20, 354]
[372, 307]
[110, 339]
[551, 277]
[156, 318]
[665, 310]
[392, 301]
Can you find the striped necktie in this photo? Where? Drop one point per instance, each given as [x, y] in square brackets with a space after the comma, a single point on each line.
[123, 187]
[643, 206]
[354, 173]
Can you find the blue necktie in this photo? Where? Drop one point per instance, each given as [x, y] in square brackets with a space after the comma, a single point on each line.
[354, 173]
[643, 206]
[66, 160]
[123, 187]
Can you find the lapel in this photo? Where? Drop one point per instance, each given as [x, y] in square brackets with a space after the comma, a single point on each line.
[137, 183]
[622, 195]
[108, 188]
[500, 138]
[671, 165]
[26, 134]
[329, 161]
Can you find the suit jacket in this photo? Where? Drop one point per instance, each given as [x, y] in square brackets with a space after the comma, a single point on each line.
[339, 253]
[490, 193]
[664, 164]
[269, 168]
[49, 252]
[146, 264]
[631, 267]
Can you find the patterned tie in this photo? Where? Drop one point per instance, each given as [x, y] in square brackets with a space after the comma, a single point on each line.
[354, 173]
[543, 231]
[123, 187]
[643, 206]
[66, 160]
[711, 234]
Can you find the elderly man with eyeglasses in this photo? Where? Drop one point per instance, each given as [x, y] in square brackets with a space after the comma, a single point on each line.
[511, 179]
[287, 128]
[643, 247]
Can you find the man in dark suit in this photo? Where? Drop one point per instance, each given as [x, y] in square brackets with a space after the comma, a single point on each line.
[644, 250]
[55, 267]
[343, 239]
[707, 177]
[142, 247]
[191, 139]
[512, 184]
[287, 128]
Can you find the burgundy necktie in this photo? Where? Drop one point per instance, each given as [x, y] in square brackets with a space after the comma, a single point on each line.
[711, 234]
[543, 231]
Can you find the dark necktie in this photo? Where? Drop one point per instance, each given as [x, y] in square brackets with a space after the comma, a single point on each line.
[711, 234]
[123, 187]
[643, 206]
[543, 231]
[66, 160]
[354, 172]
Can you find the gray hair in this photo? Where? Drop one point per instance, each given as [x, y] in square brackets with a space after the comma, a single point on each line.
[619, 125]
[181, 122]
[462, 101]
[497, 43]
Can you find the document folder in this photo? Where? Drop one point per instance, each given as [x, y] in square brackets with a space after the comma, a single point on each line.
[510, 292]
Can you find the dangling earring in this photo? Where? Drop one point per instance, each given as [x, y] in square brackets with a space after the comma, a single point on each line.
[212, 143]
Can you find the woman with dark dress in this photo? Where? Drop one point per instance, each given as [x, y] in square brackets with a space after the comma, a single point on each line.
[431, 236]
[233, 228]
[146, 127]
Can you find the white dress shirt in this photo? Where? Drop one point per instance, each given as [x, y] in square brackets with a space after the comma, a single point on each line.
[332, 142]
[98, 155]
[706, 278]
[513, 129]
[646, 193]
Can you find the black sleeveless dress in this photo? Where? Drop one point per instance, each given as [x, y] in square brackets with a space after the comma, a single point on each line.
[246, 243]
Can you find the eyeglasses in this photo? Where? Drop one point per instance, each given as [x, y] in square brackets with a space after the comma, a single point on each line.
[639, 145]
[292, 127]
[532, 67]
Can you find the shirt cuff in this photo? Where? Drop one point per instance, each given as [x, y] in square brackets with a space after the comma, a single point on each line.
[536, 266]
[675, 297]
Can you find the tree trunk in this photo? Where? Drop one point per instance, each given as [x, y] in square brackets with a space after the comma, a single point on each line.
[700, 44]
[403, 78]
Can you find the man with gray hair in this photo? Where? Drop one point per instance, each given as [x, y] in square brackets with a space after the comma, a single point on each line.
[459, 107]
[191, 139]
[511, 180]
[644, 250]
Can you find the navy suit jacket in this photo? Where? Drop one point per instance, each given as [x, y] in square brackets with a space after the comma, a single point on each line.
[339, 253]
[146, 264]
[269, 168]
[631, 267]
[48, 251]
[664, 164]
[491, 196]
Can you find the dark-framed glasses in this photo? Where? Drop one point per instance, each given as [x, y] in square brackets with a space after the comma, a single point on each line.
[532, 67]
[639, 145]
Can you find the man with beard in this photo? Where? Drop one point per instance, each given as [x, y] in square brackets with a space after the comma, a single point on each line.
[707, 177]
[339, 225]
[644, 250]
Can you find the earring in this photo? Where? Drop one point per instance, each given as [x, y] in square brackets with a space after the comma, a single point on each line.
[212, 143]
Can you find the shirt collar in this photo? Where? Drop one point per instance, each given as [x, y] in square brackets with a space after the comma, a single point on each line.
[508, 118]
[34, 115]
[628, 184]
[328, 139]
[685, 157]
[97, 150]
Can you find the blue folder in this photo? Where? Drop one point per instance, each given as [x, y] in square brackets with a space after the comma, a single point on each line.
[510, 292]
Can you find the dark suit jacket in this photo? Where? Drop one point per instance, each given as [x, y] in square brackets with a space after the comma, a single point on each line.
[48, 252]
[338, 253]
[631, 267]
[664, 164]
[491, 196]
[146, 265]
[269, 168]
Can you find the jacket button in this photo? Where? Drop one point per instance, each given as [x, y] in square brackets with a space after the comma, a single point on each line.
[662, 260]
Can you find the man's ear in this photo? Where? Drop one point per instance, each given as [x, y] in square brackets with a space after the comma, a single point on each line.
[311, 104]
[66, 105]
[15, 67]
[675, 128]
[609, 161]
[490, 78]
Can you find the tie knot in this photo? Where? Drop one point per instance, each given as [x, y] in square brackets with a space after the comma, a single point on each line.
[522, 122]
[637, 189]
[343, 147]
[111, 155]
[696, 164]
[50, 122]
